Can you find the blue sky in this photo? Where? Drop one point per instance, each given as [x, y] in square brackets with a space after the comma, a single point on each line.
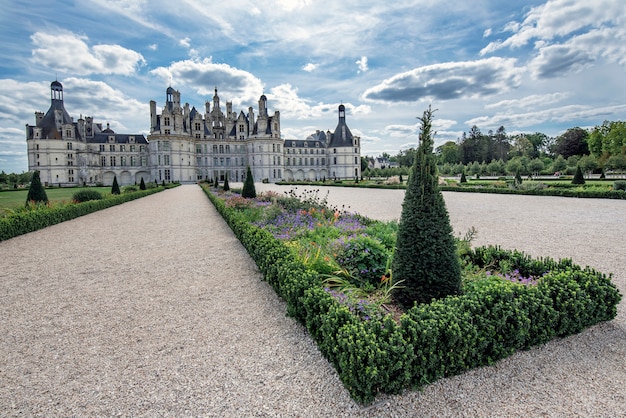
[530, 66]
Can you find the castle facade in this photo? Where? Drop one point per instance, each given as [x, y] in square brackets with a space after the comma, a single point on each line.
[185, 145]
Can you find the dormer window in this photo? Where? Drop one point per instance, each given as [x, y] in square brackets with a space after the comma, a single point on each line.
[131, 139]
[111, 139]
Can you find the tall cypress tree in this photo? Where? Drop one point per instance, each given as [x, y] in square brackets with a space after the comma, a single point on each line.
[226, 185]
[142, 185]
[425, 255]
[36, 191]
[248, 185]
[115, 189]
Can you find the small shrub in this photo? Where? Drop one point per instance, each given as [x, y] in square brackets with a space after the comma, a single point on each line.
[130, 189]
[364, 257]
[115, 188]
[248, 186]
[578, 177]
[36, 192]
[86, 195]
[142, 185]
[619, 185]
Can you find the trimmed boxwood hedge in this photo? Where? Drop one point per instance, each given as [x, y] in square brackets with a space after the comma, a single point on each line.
[490, 321]
[29, 221]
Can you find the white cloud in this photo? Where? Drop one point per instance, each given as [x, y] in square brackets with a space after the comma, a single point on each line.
[563, 114]
[238, 86]
[447, 81]
[70, 53]
[531, 101]
[362, 63]
[186, 42]
[310, 67]
[153, 47]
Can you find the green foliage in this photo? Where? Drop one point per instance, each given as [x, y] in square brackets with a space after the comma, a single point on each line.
[365, 259]
[115, 188]
[619, 185]
[86, 195]
[36, 192]
[142, 185]
[463, 178]
[425, 254]
[491, 319]
[249, 190]
[578, 177]
[41, 217]
[226, 187]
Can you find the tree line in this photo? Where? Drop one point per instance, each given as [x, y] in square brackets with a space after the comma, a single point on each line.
[600, 149]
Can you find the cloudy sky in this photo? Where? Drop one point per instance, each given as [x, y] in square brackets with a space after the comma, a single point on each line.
[530, 66]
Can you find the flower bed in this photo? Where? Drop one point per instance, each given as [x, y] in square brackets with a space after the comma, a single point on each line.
[378, 352]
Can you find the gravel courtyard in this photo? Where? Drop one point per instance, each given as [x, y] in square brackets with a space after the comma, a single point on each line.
[153, 308]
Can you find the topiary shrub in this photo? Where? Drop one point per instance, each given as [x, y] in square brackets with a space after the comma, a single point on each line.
[226, 185]
[425, 254]
[115, 188]
[36, 192]
[142, 185]
[86, 195]
[578, 177]
[248, 186]
[463, 178]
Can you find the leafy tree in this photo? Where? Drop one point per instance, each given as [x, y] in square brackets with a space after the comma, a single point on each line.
[448, 153]
[248, 185]
[559, 164]
[142, 185]
[425, 254]
[588, 164]
[536, 166]
[578, 177]
[572, 142]
[115, 189]
[226, 185]
[36, 192]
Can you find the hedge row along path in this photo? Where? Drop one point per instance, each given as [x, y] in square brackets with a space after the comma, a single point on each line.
[154, 308]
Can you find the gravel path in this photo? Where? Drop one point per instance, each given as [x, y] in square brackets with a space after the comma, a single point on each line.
[153, 308]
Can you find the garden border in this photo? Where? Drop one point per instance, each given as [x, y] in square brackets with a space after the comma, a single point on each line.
[29, 221]
[491, 321]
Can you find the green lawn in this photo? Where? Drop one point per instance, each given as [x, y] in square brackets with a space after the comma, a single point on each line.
[12, 199]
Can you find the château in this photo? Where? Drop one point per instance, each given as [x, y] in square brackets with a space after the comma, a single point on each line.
[185, 145]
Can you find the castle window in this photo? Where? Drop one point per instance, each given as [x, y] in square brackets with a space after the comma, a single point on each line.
[214, 149]
[133, 160]
[241, 128]
[167, 175]
[334, 150]
[132, 148]
[111, 139]
[112, 148]
[221, 149]
[103, 161]
[69, 145]
[131, 139]
[122, 148]
[112, 161]
[356, 151]
[334, 160]
[122, 160]
[68, 133]
[273, 147]
[166, 121]
[142, 148]
[293, 143]
[166, 160]
[197, 126]
[227, 149]
[167, 132]
[356, 160]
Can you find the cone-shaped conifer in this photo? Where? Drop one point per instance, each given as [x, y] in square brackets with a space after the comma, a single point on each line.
[248, 185]
[36, 192]
[142, 184]
[226, 185]
[115, 189]
[578, 177]
[425, 256]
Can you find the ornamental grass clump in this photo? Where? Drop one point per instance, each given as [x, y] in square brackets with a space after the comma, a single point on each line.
[425, 254]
